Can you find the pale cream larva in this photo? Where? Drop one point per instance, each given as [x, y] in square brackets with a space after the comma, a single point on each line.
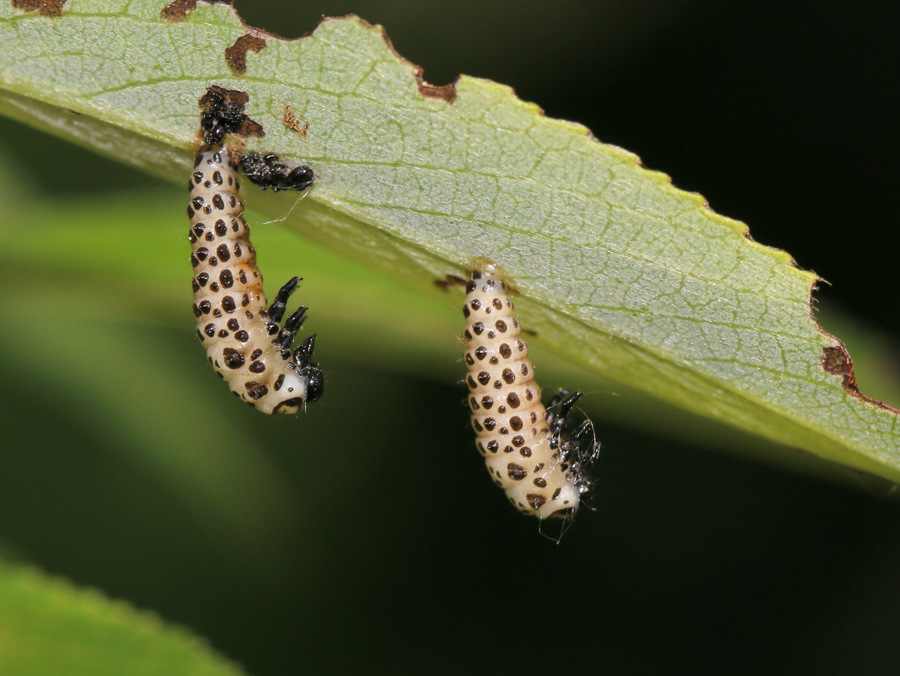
[242, 336]
[528, 451]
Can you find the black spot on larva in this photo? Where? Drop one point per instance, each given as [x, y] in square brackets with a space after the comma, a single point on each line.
[505, 351]
[221, 228]
[279, 382]
[556, 493]
[501, 409]
[504, 430]
[217, 313]
[525, 452]
[484, 377]
[217, 177]
[513, 400]
[205, 306]
[477, 425]
[245, 300]
[233, 324]
[257, 353]
[535, 501]
[538, 467]
[202, 253]
[493, 446]
[489, 424]
[487, 401]
[257, 367]
[467, 335]
[199, 229]
[256, 390]
[478, 328]
[508, 449]
[242, 277]
[475, 304]
[213, 261]
[529, 395]
[226, 278]
[233, 358]
[533, 417]
[218, 202]
[210, 330]
[470, 381]
[210, 236]
[540, 483]
[214, 287]
[242, 336]
[518, 441]
[516, 423]
[466, 312]
[195, 286]
[473, 404]
[202, 279]
[520, 346]
[223, 333]
[470, 286]
[500, 325]
[524, 369]
[197, 202]
[223, 252]
[235, 225]
[228, 304]
[508, 376]
[498, 385]
[516, 472]
[469, 359]
[238, 251]
[481, 352]
[497, 304]
[194, 261]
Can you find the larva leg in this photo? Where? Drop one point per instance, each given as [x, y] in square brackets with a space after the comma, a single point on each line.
[559, 406]
[276, 309]
[291, 326]
[303, 354]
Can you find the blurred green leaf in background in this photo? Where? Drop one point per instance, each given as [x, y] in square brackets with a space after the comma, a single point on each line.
[128, 467]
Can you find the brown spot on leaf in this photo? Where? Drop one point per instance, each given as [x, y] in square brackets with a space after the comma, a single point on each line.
[291, 122]
[236, 55]
[836, 361]
[446, 92]
[177, 10]
[43, 7]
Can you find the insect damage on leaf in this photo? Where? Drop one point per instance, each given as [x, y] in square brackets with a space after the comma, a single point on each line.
[289, 119]
[43, 7]
[177, 10]
[236, 55]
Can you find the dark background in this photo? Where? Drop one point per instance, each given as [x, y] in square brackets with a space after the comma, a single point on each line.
[783, 115]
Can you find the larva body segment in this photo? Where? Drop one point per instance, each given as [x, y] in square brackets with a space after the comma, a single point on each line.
[520, 442]
[243, 339]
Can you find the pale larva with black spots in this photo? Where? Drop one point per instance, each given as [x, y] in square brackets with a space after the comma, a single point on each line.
[243, 339]
[529, 452]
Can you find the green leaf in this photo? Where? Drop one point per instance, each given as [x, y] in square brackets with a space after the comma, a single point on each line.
[618, 270]
[47, 626]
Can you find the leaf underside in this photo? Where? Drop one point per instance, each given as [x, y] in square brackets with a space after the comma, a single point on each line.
[616, 269]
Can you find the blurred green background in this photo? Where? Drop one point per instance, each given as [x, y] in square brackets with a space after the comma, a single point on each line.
[365, 536]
